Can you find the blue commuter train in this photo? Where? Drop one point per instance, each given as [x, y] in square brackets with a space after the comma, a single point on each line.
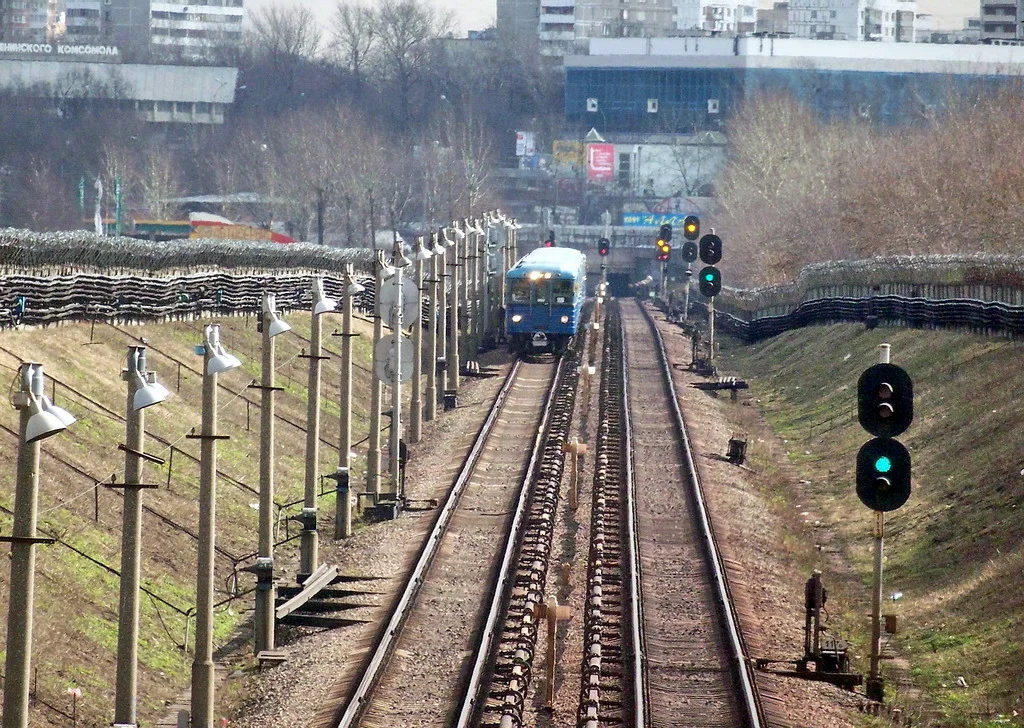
[544, 299]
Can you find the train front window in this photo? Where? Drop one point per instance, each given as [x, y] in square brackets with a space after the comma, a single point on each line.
[562, 291]
[520, 290]
[543, 291]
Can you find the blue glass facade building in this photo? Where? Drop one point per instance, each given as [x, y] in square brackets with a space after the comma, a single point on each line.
[700, 88]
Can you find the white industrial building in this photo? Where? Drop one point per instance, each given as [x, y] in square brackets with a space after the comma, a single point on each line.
[154, 93]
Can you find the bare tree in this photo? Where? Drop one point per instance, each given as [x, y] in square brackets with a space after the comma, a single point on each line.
[405, 29]
[355, 36]
[473, 150]
[283, 32]
[160, 183]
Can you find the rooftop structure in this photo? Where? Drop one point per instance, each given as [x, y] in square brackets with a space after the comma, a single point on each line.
[692, 84]
[156, 93]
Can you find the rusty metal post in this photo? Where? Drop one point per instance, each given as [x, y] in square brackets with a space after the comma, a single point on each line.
[553, 613]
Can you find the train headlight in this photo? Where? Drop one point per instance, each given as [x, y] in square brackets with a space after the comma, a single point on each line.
[565, 319]
[516, 318]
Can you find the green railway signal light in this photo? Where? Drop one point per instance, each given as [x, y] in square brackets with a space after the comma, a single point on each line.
[883, 474]
[710, 281]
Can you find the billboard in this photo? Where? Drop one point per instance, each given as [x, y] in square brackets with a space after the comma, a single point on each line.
[567, 155]
[653, 219]
[600, 162]
[526, 144]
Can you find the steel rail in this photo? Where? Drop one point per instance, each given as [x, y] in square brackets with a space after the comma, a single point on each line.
[751, 700]
[359, 698]
[640, 688]
[506, 572]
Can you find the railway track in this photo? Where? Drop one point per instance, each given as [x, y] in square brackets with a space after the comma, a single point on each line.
[662, 646]
[437, 646]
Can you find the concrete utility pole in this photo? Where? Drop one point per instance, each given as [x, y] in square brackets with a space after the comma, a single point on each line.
[343, 507]
[466, 279]
[309, 543]
[416, 405]
[398, 262]
[451, 372]
[215, 361]
[36, 421]
[479, 287]
[270, 327]
[143, 391]
[436, 291]
[485, 266]
[376, 393]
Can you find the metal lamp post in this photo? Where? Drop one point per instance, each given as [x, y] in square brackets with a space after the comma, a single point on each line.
[309, 544]
[215, 361]
[143, 391]
[270, 327]
[38, 419]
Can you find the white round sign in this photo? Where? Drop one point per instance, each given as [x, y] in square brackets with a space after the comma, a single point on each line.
[390, 293]
[383, 359]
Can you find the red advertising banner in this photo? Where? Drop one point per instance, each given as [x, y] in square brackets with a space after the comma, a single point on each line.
[600, 162]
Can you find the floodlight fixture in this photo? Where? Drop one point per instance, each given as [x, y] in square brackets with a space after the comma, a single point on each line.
[422, 252]
[277, 324]
[220, 360]
[354, 287]
[43, 420]
[321, 303]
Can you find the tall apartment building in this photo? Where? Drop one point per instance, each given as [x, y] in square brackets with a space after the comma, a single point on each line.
[138, 27]
[1002, 19]
[873, 20]
[26, 20]
[726, 17]
[563, 27]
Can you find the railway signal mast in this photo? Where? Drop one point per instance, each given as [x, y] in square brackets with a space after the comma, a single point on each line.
[664, 250]
[710, 280]
[885, 408]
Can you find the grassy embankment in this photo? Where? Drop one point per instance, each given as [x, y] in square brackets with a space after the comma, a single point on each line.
[76, 599]
[956, 550]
